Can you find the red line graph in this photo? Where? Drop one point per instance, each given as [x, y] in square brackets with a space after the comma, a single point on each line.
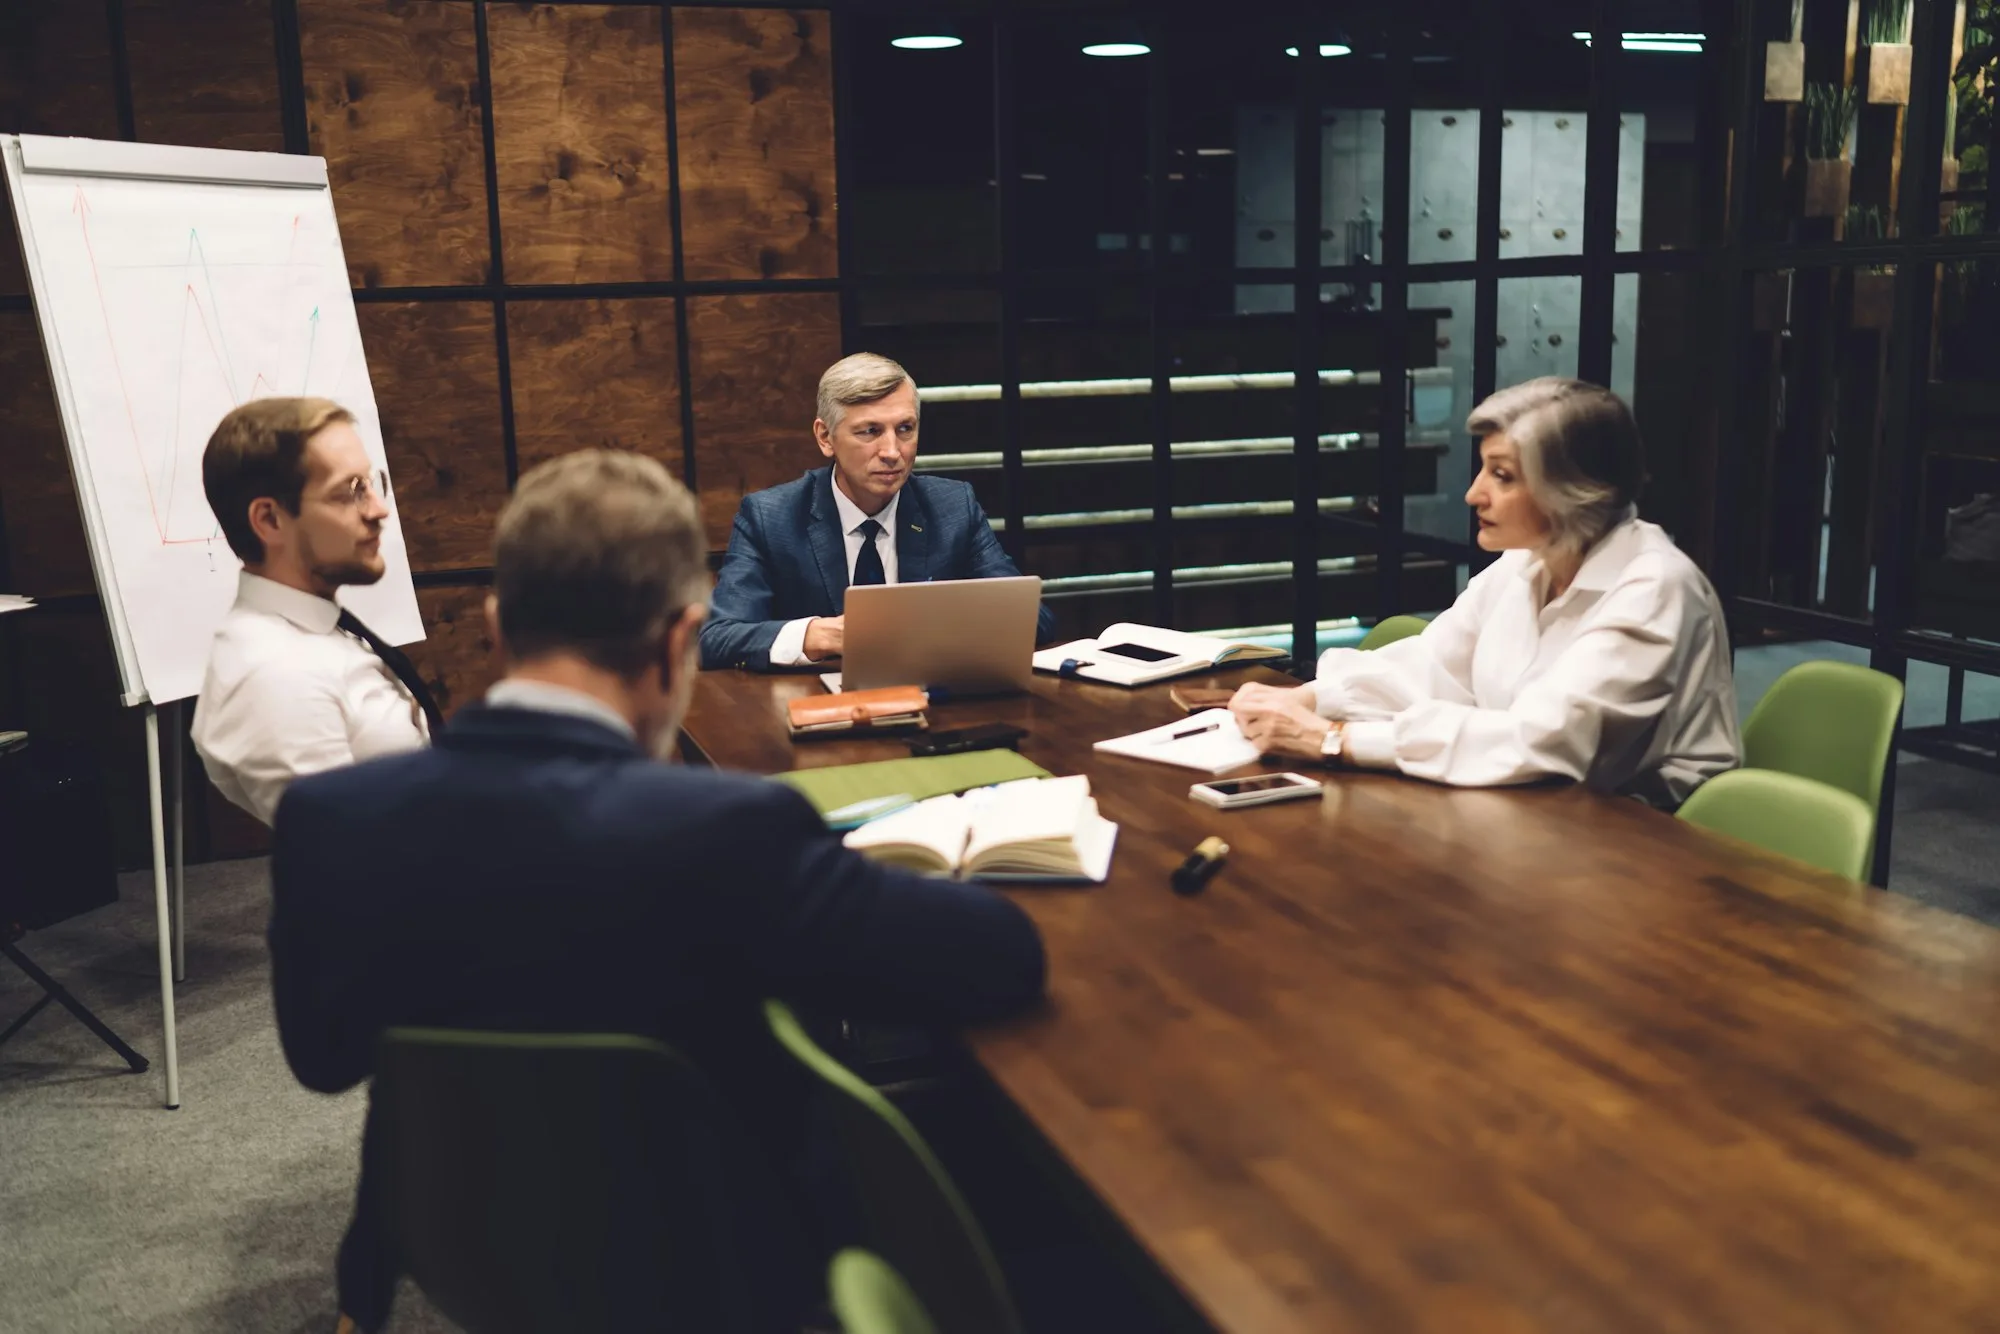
[207, 318]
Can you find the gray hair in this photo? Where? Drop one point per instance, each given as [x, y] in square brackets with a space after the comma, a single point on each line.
[861, 378]
[595, 554]
[1580, 453]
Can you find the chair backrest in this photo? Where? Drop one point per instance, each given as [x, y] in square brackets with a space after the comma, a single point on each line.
[581, 1182]
[911, 1214]
[1392, 628]
[1829, 721]
[871, 1298]
[1812, 822]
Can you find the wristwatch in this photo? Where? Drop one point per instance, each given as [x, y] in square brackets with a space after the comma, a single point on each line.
[1329, 745]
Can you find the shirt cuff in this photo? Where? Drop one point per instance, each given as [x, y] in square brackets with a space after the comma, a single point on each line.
[1369, 745]
[1328, 696]
[789, 648]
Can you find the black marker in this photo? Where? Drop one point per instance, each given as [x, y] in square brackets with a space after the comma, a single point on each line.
[1192, 876]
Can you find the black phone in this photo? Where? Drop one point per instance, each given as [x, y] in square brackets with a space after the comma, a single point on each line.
[1142, 652]
[987, 736]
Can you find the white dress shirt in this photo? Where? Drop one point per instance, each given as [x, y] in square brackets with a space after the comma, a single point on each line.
[288, 693]
[1624, 682]
[789, 648]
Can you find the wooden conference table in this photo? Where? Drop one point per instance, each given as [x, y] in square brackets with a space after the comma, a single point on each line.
[1432, 1059]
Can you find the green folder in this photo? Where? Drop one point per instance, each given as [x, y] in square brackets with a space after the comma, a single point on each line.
[917, 777]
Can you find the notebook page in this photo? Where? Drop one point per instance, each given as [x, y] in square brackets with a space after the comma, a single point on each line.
[929, 836]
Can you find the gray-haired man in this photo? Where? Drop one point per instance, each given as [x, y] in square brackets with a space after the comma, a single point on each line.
[865, 518]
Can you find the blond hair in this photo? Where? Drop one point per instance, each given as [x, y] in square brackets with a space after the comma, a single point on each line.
[597, 553]
[1581, 455]
[860, 378]
[258, 450]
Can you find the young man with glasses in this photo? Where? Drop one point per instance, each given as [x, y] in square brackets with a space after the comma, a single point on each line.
[295, 684]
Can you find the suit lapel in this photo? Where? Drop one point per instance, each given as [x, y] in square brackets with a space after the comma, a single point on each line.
[828, 547]
[913, 538]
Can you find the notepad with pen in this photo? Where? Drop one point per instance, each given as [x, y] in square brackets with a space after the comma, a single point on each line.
[1209, 741]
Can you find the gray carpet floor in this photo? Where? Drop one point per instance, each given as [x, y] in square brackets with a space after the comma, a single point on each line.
[118, 1215]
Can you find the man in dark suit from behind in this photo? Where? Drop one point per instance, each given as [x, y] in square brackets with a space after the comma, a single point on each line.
[541, 869]
[865, 518]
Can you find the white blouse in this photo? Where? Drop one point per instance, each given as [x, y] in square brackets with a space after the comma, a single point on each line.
[1624, 682]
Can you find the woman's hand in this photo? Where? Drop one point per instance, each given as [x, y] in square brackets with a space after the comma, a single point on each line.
[1280, 721]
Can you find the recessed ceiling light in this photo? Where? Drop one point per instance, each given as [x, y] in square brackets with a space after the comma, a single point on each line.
[1115, 49]
[1215, 152]
[1327, 49]
[938, 42]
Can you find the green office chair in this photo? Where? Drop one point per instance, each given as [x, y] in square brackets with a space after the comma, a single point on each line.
[871, 1298]
[1830, 721]
[911, 1214]
[580, 1182]
[1799, 818]
[1392, 628]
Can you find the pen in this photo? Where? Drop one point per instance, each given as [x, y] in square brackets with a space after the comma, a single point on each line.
[1196, 731]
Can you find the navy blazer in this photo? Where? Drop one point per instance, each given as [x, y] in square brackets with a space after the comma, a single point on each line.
[537, 871]
[787, 559]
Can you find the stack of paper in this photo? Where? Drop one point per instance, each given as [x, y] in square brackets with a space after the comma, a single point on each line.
[1209, 741]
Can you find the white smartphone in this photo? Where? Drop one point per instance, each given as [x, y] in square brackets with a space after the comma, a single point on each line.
[1229, 793]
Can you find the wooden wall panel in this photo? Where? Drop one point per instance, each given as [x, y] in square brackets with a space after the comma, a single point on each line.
[456, 658]
[436, 374]
[56, 77]
[580, 143]
[204, 73]
[392, 104]
[594, 373]
[753, 93]
[46, 552]
[755, 363]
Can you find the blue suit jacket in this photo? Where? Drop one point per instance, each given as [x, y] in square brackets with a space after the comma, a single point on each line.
[787, 559]
[534, 871]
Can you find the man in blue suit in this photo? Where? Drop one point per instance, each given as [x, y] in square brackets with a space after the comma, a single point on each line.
[863, 519]
[538, 869]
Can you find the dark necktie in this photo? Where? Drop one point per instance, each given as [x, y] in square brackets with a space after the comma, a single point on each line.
[399, 663]
[868, 565]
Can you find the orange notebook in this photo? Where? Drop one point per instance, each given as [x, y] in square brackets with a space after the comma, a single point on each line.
[889, 709]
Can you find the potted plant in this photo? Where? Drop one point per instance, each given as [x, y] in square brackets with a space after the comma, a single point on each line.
[1829, 120]
[1887, 27]
[1785, 64]
[1874, 284]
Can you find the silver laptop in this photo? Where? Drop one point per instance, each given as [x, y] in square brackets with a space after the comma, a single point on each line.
[968, 636]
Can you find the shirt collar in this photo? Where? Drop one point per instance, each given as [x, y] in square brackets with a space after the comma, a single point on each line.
[545, 697]
[850, 513]
[308, 611]
[1602, 563]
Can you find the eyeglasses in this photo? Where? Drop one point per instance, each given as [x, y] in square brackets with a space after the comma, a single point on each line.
[369, 486]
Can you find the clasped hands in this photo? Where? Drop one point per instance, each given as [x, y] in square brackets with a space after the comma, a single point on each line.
[1280, 720]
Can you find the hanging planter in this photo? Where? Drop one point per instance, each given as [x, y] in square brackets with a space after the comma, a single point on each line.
[1888, 55]
[1784, 71]
[1829, 175]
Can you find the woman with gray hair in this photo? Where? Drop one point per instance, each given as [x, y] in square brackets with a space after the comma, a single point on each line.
[1593, 649]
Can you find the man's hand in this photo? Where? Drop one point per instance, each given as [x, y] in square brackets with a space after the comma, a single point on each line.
[1278, 722]
[825, 636]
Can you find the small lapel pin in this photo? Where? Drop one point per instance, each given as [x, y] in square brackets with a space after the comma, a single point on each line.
[916, 528]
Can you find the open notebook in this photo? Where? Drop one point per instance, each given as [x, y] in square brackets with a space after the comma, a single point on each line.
[1036, 829]
[1135, 655]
